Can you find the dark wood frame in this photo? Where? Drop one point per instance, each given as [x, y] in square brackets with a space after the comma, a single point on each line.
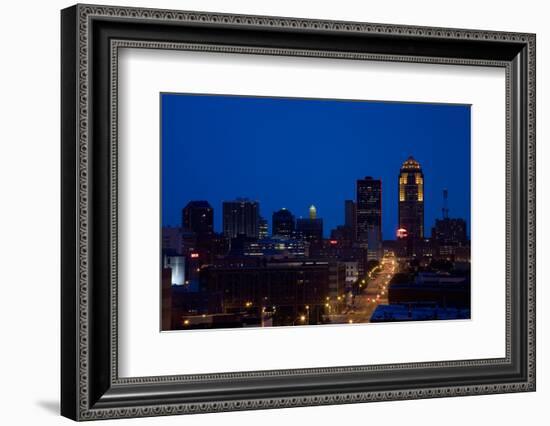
[90, 386]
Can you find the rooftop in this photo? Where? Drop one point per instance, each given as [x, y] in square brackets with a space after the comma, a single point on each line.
[199, 204]
[410, 164]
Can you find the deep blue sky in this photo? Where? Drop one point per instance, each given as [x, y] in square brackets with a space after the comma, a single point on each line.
[290, 152]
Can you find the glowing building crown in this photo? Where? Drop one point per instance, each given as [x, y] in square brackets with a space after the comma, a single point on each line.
[410, 164]
[312, 212]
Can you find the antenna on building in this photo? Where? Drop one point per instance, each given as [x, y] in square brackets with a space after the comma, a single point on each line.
[445, 208]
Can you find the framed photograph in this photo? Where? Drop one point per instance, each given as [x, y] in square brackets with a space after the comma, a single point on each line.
[263, 212]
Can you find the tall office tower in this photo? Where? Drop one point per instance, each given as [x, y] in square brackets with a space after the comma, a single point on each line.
[411, 199]
[198, 217]
[311, 230]
[283, 223]
[241, 218]
[369, 215]
[350, 218]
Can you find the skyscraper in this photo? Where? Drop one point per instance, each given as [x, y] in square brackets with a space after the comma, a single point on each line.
[198, 217]
[283, 223]
[350, 218]
[411, 199]
[241, 217]
[311, 230]
[369, 215]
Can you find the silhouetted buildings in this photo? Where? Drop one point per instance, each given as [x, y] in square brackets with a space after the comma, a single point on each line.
[293, 292]
[283, 223]
[198, 217]
[275, 247]
[350, 218]
[311, 230]
[263, 231]
[244, 276]
[172, 239]
[411, 199]
[197, 233]
[369, 215]
[343, 235]
[449, 235]
[441, 289]
[241, 217]
[336, 251]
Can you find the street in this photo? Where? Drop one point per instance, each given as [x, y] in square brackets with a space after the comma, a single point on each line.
[375, 292]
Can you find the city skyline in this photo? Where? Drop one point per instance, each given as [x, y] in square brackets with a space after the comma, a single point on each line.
[289, 211]
[427, 133]
[369, 194]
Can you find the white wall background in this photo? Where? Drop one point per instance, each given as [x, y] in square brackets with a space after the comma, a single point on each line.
[29, 213]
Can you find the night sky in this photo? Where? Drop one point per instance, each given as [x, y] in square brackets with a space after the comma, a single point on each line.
[291, 152]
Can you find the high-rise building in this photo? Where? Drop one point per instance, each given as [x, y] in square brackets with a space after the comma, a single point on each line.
[283, 223]
[311, 230]
[448, 234]
[411, 199]
[350, 217]
[369, 215]
[241, 217]
[198, 217]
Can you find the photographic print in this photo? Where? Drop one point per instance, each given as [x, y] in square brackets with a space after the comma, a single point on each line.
[308, 212]
[255, 182]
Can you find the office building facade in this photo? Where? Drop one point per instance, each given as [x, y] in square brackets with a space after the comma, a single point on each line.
[411, 199]
[283, 223]
[241, 217]
[368, 217]
[198, 217]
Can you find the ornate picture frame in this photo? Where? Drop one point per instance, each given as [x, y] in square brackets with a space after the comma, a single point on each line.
[91, 37]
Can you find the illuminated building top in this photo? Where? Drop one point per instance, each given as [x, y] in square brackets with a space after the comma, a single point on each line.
[410, 164]
[411, 198]
[411, 174]
[312, 212]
